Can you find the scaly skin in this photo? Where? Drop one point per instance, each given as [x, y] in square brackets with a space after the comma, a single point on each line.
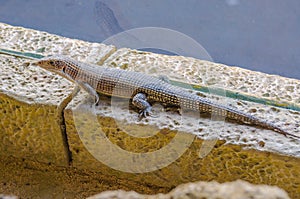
[142, 88]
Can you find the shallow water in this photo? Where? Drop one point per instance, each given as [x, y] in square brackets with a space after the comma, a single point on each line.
[258, 35]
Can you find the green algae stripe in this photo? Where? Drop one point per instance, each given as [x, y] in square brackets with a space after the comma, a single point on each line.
[204, 89]
[21, 54]
[237, 95]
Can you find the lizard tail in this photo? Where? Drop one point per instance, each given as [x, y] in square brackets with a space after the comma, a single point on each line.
[238, 116]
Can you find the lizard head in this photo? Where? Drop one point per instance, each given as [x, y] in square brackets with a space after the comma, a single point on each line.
[52, 63]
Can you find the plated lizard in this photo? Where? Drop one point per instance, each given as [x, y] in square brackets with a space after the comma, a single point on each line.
[143, 89]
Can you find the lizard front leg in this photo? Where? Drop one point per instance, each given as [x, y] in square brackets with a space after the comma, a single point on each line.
[140, 101]
[90, 90]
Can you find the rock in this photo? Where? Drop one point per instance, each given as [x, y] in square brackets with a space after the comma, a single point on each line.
[205, 190]
[2, 196]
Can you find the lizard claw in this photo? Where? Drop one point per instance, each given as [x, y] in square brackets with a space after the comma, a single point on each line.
[146, 112]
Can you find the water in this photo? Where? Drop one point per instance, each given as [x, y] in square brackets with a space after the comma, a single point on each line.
[261, 35]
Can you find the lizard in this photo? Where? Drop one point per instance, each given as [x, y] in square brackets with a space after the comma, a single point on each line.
[143, 89]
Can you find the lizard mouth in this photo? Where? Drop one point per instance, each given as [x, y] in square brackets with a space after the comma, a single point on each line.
[42, 64]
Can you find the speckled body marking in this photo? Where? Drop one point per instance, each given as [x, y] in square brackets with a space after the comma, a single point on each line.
[142, 89]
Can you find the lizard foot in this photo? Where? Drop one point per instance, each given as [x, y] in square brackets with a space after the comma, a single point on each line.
[146, 112]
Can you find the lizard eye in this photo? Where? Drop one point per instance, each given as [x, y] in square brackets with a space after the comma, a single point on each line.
[51, 63]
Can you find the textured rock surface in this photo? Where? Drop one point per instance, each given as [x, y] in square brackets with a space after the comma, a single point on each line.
[31, 99]
[33, 119]
[205, 190]
[225, 162]
[30, 115]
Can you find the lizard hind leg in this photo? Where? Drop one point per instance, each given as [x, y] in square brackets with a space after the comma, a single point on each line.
[140, 101]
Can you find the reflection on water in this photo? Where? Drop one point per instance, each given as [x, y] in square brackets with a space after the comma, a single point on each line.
[258, 35]
[106, 20]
